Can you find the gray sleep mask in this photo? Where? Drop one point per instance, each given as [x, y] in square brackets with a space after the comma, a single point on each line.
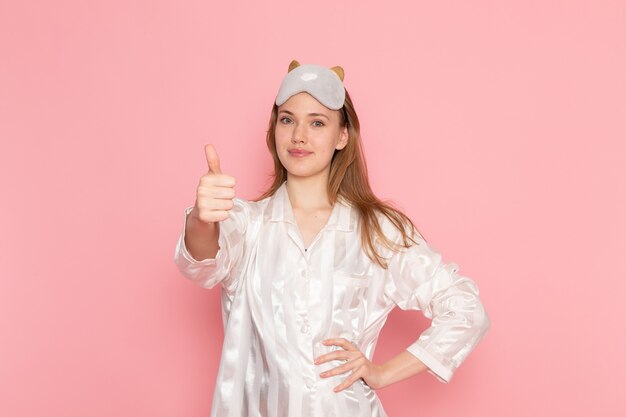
[325, 84]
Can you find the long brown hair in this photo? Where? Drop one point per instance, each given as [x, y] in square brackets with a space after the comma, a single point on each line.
[348, 178]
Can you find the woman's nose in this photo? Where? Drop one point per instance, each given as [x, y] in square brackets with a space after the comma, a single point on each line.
[298, 134]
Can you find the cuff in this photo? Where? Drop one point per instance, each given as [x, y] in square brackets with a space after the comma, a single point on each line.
[435, 366]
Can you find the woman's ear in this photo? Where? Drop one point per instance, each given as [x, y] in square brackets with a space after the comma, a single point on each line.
[343, 138]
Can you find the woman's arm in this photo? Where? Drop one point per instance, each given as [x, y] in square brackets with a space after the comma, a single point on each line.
[214, 198]
[200, 237]
[420, 280]
[401, 366]
[212, 242]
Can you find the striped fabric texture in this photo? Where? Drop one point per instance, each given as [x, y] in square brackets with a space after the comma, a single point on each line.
[280, 300]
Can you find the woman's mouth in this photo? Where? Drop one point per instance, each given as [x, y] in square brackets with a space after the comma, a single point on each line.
[298, 153]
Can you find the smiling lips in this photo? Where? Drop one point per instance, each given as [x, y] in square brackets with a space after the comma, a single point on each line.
[298, 153]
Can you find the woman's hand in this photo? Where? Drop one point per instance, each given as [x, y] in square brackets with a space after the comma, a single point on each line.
[215, 192]
[361, 367]
[214, 198]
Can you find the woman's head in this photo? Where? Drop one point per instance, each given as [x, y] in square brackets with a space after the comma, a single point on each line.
[296, 123]
[307, 115]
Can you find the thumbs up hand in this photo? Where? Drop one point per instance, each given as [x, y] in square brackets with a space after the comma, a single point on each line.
[215, 192]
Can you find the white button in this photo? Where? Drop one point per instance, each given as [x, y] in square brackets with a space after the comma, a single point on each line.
[309, 383]
[305, 329]
[303, 273]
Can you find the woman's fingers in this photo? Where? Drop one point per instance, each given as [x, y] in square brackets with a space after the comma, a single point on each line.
[216, 204]
[354, 376]
[344, 343]
[213, 216]
[356, 362]
[217, 180]
[342, 369]
[334, 355]
[346, 353]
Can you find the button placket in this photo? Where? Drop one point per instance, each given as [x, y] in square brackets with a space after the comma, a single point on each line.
[303, 275]
[309, 383]
[306, 328]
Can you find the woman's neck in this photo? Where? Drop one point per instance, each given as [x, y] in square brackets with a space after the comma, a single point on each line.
[308, 193]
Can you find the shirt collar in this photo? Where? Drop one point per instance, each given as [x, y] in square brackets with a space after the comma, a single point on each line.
[342, 217]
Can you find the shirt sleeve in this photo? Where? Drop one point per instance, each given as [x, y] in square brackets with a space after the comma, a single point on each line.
[419, 280]
[221, 269]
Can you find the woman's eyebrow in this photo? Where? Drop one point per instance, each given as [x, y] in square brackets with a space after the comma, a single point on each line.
[310, 114]
[318, 114]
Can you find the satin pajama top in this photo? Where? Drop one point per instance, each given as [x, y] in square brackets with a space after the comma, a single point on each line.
[279, 301]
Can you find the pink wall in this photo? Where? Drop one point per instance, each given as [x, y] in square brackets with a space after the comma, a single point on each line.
[498, 126]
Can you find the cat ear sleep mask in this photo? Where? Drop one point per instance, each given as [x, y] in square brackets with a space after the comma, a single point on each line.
[325, 84]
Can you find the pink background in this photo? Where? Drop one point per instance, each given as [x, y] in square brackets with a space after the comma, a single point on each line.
[498, 126]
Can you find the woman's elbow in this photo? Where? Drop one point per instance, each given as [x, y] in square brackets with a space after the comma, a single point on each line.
[483, 323]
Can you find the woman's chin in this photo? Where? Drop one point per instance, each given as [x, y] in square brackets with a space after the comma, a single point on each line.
[304, 173]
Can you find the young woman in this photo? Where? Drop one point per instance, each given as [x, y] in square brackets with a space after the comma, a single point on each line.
[310, 270]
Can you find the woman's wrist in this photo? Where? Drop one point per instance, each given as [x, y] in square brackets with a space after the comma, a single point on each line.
[201, 238]
[398, 368]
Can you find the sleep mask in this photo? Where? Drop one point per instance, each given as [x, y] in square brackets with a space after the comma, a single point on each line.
[325, 84]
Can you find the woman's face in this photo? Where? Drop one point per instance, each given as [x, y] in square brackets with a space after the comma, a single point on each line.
[307, 135]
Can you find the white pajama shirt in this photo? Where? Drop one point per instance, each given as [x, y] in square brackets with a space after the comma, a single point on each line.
[280, 300]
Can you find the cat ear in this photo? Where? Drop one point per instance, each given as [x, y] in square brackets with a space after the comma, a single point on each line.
[293, 64]
[339, 71]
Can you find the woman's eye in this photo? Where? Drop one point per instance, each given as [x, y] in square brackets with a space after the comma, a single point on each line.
[318, 123]
[285, 120]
